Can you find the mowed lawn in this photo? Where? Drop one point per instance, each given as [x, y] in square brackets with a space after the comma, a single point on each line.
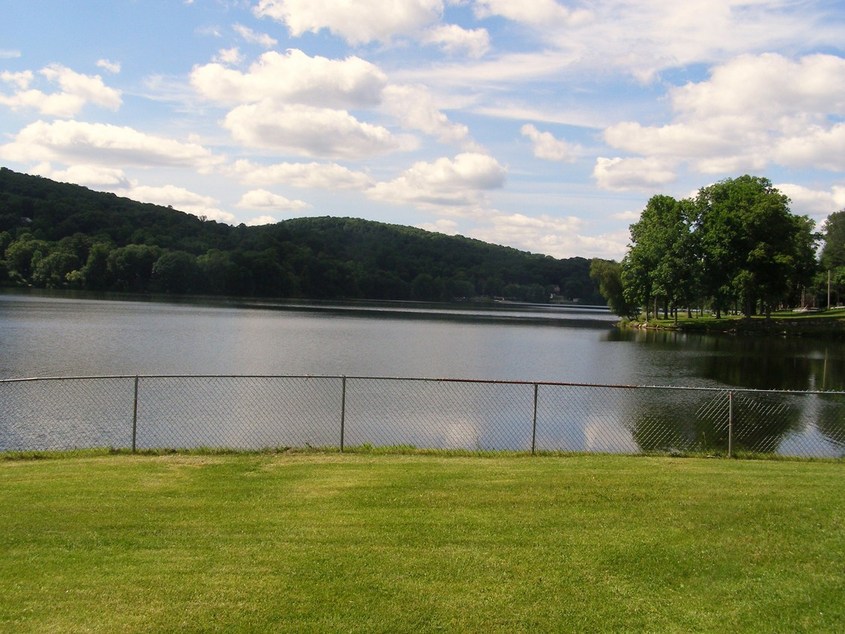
[322, 542]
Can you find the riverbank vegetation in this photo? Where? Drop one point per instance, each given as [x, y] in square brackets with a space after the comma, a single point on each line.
[336, 542]
[56, 235]
[733, 249]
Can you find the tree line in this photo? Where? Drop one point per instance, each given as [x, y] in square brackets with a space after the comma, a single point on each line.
[57, 235]
[733, 247]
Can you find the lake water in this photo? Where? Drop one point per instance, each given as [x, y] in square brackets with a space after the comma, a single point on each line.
[43, 335]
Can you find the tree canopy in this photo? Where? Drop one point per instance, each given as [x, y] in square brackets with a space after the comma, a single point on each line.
[735, 245]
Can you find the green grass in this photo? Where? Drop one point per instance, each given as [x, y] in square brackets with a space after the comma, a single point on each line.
[818, 323]
[407, 543]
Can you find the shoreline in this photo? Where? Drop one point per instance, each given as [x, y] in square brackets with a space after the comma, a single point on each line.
[827, 324]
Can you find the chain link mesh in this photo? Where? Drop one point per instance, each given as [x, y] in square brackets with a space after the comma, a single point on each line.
[238, 412]
[61, 414]
[241, 412]
[439, 414]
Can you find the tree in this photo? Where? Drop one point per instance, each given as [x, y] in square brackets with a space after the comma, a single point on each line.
[833, 234]
[832, 260]
[131, 267]
[662, 258]
[175, 272]
[754, 250]
[608, 275]
[23, 255]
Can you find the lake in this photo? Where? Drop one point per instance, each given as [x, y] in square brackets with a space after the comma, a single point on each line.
[62, 335]
[44, 334]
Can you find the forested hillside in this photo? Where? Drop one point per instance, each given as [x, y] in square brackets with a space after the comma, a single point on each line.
[57, 235]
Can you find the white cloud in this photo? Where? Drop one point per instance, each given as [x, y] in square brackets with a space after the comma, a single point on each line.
[752, 111]
[414, 107]
[551, 235]
[293, 78]
[73, 142]
[6, 53]
[441, 225]
[768, 85]
[229, 56]
[261, 199]
[262, 39]
[547, 147]
[98, 176]
[631, 173]
[21, 80]
[330, 176]
[454, 40]
[76, 91]
[109, 66]
[818, 147]
[813, 202]
[317, 132]
[356, 22]
[445, 182]
[540, 13]
[261, 220]
[180, 199]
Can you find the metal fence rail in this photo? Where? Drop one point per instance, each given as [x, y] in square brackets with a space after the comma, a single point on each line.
[256, 412]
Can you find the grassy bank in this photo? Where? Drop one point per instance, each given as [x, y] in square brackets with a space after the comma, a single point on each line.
[369, 543]
[828, 323]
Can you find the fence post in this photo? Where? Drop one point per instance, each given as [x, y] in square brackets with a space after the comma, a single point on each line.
[534, 422]
[342, 413]
[135, 417]
[730, 423]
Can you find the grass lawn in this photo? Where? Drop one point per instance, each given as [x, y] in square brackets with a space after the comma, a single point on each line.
[816, 323]
[318, 542]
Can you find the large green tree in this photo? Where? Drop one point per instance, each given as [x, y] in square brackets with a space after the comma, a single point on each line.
[608, 275]
[662, 261]
[755, 252]
[832, 261]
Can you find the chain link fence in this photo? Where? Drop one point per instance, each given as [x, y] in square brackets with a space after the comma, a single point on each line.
[259, 412]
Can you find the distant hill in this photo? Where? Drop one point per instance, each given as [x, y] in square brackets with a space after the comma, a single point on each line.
[58, 235]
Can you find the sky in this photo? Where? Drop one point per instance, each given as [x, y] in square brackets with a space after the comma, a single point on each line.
[545, 125]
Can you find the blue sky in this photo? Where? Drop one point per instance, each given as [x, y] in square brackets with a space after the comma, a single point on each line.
[543, 125]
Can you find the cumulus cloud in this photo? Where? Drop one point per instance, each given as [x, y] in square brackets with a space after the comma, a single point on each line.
[557, 236]
[261, 220]
[261, 199]
[819, 147]
[355, 22]
[293, 78]
[317, 132]
[75, 92]
[547, 147]
[441, 225]
[751, 112]
[454, 182]
[455, 40]
[20, 80]
[813, 202]
[229, 56]
[312, 175]
[98, 176]
[73, 142]
[415, 108]
[178, 198]
[631, 173]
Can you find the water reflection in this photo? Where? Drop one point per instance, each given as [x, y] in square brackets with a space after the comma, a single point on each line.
[754, 362]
